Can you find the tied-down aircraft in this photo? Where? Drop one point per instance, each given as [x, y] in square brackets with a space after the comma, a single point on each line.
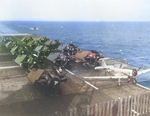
[127, 72]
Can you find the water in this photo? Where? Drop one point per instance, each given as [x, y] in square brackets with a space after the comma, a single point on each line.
[122, 40]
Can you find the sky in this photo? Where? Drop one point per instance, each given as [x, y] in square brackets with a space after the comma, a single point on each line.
[75, 10]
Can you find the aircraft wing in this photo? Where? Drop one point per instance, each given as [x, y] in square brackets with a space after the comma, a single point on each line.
[100, 67]
[143, 71]
[104, 67]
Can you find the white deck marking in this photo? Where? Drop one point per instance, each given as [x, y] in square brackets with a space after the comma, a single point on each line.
[143, 86]
[70, 72]
[83, 80]
[107, 77]
[9, 67]
[91, 85]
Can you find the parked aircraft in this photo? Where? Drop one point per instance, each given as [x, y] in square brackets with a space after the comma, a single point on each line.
[122, 68]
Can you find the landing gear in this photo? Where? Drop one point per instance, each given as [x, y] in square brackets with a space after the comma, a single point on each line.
[133, 79]
[119, 82]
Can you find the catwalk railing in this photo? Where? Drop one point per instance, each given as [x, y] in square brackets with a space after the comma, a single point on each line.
[129, 106]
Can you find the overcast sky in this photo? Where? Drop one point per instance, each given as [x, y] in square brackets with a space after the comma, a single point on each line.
[75, 10]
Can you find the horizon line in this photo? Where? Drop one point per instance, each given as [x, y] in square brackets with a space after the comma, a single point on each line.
[71, 21]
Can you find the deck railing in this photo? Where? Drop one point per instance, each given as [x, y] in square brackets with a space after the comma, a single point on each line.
[129, 106]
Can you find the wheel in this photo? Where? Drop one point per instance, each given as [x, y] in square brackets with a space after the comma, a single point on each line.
[134, 80]
[119, 83]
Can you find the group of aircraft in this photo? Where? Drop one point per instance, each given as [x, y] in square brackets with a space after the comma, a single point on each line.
[30, 50]
[92, 59]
